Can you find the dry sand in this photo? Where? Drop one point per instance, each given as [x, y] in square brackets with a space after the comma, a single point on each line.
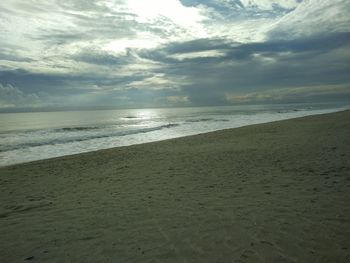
[277, 192]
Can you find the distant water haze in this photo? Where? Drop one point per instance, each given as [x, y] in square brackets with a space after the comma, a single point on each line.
[27, 137]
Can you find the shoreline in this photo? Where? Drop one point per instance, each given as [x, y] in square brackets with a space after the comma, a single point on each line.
[272, 192]
[74, 154]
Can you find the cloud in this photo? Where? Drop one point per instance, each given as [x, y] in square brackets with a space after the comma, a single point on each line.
[15, 58]
[103, 58]
[270, 4]
[313, 17]
[129, 53]
[296, 94]
[65, 84]
[178, 100]
[243, 68]
[11, 97]
[247, 6]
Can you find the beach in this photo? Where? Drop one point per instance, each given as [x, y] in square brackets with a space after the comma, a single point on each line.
[274, 192]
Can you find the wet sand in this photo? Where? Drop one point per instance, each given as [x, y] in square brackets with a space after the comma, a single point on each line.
[276, 192]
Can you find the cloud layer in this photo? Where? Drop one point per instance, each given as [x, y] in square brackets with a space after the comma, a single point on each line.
[100, 54]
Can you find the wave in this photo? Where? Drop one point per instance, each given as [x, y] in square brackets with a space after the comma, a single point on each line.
[68, 129]
[206, 120]
[130, 117]
[200, 120]
[83, 137]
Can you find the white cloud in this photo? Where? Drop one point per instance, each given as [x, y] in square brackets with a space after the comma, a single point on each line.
[52, 31]
[246, 20]
[199, 54]
[269, 4]
[250, 30]
[156, 82]
[313, 17]
[173, 9]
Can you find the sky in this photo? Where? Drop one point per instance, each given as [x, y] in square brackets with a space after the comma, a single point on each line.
[89, 54]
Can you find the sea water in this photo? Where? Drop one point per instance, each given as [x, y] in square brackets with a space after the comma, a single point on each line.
[33, 136]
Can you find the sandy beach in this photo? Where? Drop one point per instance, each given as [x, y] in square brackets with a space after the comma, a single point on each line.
[276, 192]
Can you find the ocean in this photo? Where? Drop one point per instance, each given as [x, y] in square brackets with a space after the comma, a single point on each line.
[31, 136]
